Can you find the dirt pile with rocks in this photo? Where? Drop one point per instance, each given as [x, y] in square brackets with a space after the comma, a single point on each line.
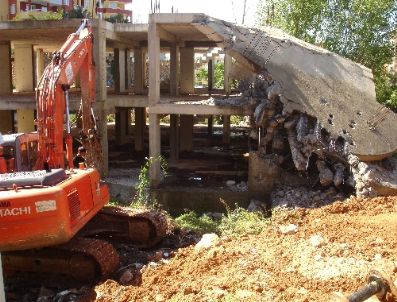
[328, 249]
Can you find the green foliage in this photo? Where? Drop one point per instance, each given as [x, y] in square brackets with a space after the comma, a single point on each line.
[34, 15]
[119, 18]
[240, 221]
[236, 119]
[219, 75]
[142, 196]
[386, 89]
[77, 12]
[233, 224]
[361, 30]
[202, 76]
[111, 118]
[200, 224]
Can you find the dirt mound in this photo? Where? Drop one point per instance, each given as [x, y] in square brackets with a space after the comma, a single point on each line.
[332, 249]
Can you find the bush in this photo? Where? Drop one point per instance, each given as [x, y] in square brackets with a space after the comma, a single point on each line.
[77, 13]
[233, 224]
[200, 224]
[33, 15]
[240, 221]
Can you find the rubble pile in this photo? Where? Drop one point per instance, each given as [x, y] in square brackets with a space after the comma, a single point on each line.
[303, 197]
[312, 107]
[300, 141]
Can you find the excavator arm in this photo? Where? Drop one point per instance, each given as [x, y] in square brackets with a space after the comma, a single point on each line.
[75, 57]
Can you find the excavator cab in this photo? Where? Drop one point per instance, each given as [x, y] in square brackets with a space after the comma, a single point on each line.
[20, 151]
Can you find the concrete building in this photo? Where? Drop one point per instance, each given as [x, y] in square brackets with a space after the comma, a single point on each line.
[10, 8]
[108, 8]
[181, 36]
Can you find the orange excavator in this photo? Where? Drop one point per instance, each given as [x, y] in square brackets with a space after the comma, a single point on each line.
[52, 218]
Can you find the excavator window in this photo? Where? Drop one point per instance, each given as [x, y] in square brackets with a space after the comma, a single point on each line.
[28, 155]
[9, 155]
[24, 157]
[32, 154]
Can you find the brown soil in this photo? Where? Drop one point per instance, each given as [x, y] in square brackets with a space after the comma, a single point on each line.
[358, 235]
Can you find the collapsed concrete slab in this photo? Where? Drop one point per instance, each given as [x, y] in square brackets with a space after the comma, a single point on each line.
[339, 93]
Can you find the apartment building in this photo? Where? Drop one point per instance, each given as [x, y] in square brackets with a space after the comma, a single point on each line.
[107, 8]
[10, 8]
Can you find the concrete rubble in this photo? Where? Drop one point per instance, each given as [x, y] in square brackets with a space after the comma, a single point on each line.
[314, 109]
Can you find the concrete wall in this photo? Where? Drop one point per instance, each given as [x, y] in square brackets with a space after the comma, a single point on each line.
[24, 71]
[4, 10]
[5, 121]
[5, 70]
[25, 120]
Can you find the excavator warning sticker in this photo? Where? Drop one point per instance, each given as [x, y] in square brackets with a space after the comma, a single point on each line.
[69, 72]
[45, 206]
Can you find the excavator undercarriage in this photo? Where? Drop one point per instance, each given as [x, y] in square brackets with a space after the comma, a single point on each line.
[89, 257]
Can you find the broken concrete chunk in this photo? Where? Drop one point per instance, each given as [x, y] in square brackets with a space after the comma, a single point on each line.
[339, 174]
[376, 178]
[322, 84]
[207, 241]
[256, 206]
[288, 229]
[316, 240]
[326, 176]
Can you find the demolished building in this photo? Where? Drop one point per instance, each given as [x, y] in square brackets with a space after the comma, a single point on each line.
[310, 106]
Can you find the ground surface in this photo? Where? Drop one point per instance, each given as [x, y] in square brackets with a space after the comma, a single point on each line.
[333, 249]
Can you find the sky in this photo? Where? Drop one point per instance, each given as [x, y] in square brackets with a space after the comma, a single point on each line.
[228, 10]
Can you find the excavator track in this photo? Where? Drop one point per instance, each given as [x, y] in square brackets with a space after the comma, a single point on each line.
[81, 259]
[144, 228]
[87, 259]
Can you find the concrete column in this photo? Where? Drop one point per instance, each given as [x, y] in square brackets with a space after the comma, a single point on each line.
[187, 70]
[140, 126]
[128, 73]
[101, 93]
[154, 149]
[186, 132]
[120, 70]
[5, 70]
[210, 75]
[4, 10]
[154, 98]
[23, 67]
[174, 70]
[121, 125]
[210, 125]
[6, 121]
[139, 71]
[40, 65]
[226, 130]
[174, 138]
[226, 73]
[25, 120]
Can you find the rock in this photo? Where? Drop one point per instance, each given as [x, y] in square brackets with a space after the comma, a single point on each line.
[207, 241]
[316, 240]
[288, 229]
[45, 294]
[230, 183]
[326, 175]
[256, 206]
[126, 277]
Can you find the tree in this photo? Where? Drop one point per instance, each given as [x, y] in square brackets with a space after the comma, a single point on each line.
[361, 30]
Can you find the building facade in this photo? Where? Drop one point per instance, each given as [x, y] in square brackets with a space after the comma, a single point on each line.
[10, 8]
[107, 8]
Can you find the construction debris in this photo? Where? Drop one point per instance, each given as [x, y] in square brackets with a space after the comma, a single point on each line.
[312, 108]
